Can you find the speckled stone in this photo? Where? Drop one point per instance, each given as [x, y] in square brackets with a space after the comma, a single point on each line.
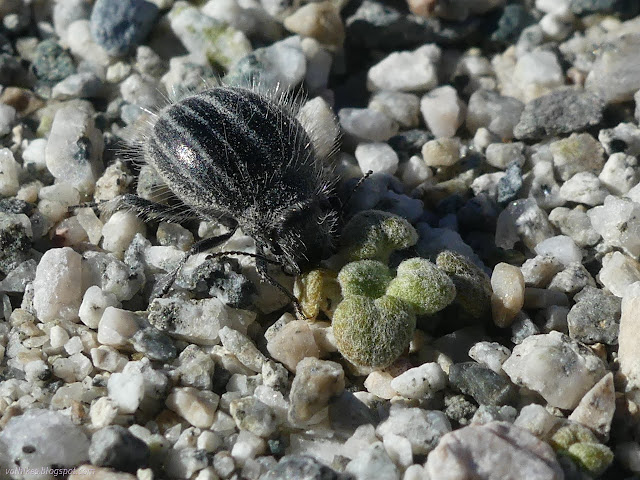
[563, 111]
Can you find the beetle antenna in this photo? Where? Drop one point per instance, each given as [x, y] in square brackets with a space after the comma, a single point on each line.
[344, 204]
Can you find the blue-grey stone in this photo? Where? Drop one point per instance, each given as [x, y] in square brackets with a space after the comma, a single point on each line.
[513, 20]
[52, 63]
[510, 184]
[119, 25]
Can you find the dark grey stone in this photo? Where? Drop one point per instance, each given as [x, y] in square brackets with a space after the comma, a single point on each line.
[479, 213]
[116, 447]
[595, 318]
[346, 413]
[154, 344]
[119, 26]
[221, 278]
[624, 8]
[300, 467]
[18, 278]
[410, 142]
[376, 25]
[15, 205]
[483, 384]
[560, 112]
[522, 327]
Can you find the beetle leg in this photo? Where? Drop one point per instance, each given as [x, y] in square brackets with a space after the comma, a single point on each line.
[142, 207]
[261, 267]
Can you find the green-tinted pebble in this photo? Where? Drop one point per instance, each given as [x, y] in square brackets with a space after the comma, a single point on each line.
[570, 434]
[473, 286]
[372, 333]
[423, 286]
[318, 291]
[595, 458]
[374, 234]
[368, 278]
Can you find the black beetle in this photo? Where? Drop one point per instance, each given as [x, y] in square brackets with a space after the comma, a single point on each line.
[242, 158]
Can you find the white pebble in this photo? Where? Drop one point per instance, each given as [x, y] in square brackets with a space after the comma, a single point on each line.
[379, 383]
[247, 447]
[442, 152]
[562, 248]
[93, 305]
[117, 326]
[74, 345]
[377, 157]
[507, 299]
[443, 111]
[414, 172]
[195, 406]
[618, 221]
[58, 336]
[320, 124]
[33, 157]
[57, 289]
[108, 358]
[292, 343]
[560, 369]
[628, 352]
[7, 118]
[209, 441]
[74, 149]
[501, 155]
[103, 412]
[126, 390]
[420, 381]
[490, 354]
[119, 231]
[406, 71]
[584, 187]
[620, 173]
[366, 124]
[9, 169]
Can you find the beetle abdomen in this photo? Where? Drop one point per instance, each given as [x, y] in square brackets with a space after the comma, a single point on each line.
[227, 148]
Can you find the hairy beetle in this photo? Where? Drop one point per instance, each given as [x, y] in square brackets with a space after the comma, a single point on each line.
[241, 157]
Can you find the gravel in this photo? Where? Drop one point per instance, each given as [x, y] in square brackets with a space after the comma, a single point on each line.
[503, 140]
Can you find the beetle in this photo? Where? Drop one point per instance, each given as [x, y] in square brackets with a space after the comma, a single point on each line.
[241, 157]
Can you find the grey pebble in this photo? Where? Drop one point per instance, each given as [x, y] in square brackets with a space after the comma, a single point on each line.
[116, 447]
[483, 384]
[595, 318]
[299, 467]
[562, 111]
